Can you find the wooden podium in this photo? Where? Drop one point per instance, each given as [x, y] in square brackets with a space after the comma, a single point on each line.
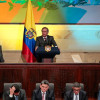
[47, 60]
[46, 54]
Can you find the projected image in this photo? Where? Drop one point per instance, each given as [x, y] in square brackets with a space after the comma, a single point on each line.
[69, 38]
[51, 11]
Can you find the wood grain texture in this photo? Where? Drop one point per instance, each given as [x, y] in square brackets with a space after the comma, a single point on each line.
[59, 74]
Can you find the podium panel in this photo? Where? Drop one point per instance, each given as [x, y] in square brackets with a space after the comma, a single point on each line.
[46, 56]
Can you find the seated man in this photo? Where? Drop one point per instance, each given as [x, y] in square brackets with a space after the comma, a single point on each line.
[15, 93]
[76, 93]
[43, 93]
[44, 40]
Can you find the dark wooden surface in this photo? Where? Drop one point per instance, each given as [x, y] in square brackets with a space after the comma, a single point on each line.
[59, 74]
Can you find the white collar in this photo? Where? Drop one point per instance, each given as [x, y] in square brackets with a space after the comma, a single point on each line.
[45, 37]
[75, 94]
[43, 92]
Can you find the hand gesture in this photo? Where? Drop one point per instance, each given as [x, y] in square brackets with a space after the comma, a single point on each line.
[36, 48]
[12, 90]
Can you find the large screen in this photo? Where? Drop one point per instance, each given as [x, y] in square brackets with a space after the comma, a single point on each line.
[69, 38]
[51, 11]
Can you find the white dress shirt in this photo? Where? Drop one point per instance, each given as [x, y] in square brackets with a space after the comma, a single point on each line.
[45, 38]
[74, 98]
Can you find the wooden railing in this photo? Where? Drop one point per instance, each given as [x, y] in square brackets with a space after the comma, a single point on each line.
[59, 74]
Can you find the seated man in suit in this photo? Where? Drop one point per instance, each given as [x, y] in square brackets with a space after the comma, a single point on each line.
[15, 93]
[43, 93]
[44, 40]
[76, 93]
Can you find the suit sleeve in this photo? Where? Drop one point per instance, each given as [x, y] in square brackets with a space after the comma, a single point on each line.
[99, 96]
[24, 94]
[33, 95]
[7, 97]
[66, 96]
[52, 95]
[37, 42]
[53, 42]
[85, 96]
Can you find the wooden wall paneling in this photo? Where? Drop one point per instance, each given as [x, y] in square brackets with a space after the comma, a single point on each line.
[59, 74]
[10, 74]
[90, 78]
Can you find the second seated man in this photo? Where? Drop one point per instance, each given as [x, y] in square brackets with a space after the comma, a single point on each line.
[43, 93]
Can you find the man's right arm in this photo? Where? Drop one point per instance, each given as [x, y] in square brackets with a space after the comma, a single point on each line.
[8, 96]
[37, 41]
[37, 44]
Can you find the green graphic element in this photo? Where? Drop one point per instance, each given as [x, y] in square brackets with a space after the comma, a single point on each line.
[3, 1]
[20, 16]
[11, 6]
[19, 1]
[48, 4]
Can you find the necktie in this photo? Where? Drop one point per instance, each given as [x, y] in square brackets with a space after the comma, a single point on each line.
[16, 97]
[44, 38]
[76, 98]
[43, 95]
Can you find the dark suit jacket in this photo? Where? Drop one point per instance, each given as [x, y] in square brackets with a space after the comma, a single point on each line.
[38, 96]
[69, 95]
[22, 95]
[1, 55]
[99, 95]
[49, 41]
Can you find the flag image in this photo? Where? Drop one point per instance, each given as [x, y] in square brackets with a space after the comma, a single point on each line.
[29, 39]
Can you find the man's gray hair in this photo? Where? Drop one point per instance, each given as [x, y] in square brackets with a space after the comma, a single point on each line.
[45, 28]
[76, 84]
[45, 82]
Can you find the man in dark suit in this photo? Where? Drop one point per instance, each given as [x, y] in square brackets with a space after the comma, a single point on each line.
[76, 93]
[44, 40]
[43, 93]
[15, 93]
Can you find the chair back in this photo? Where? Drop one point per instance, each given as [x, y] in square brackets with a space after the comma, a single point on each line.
[8, 85]
[99, 86]
[70, 85]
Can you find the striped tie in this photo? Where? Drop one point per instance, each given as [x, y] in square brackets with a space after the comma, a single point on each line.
[76, 98]
[44, 38]
[43, 95]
